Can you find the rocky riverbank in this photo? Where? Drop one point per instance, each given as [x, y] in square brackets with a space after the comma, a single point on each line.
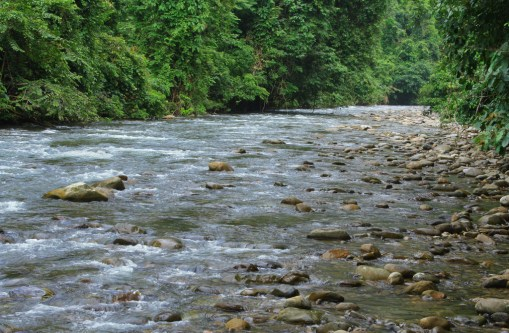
[368, 253]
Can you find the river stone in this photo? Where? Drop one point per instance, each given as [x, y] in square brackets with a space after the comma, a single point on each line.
[285, 292]
[167, 243]
[425, 277]
[220, 166]
[329, 234]
[417, 165]
[347, 306]
[496, 281]
[325, 296]
[395, 278]
[427, 231]
[418, 288]
[472, 172]
[299, 316]
[168, 317]
[125, 241]
[492, 305]
[27, 292]
[424, 255]
[434, 294]
[303, 208]
[114, 183]
[253, 292]
[214, 186]
[406, 272]
[291, 201]
[504, 201]
[371, 180]
[229, 307]
[294, 278]
[372, 273]
[297, 302]
[425, 207]
[350, 207]
[273, 142]
[434, 321]
[495, 219]
[127, 228]
[336, 254]
[486, 240]
[79, 192]
[237, 324]
[387, 235]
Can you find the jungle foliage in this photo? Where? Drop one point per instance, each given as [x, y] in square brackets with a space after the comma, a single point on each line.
[80, 60]
[471, 83]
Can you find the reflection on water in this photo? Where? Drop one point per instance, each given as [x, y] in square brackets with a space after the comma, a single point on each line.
[67, 247]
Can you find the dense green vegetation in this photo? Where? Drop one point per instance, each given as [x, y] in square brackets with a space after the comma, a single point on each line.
[81, 60]
[471, 84]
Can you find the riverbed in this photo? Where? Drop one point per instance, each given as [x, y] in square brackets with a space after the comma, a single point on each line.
[60, 270]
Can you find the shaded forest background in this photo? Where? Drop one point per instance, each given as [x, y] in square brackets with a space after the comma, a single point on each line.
[82, 60]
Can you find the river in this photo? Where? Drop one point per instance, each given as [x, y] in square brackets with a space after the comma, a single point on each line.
[60, 271]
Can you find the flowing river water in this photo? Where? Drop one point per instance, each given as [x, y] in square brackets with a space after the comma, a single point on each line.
[61, 272]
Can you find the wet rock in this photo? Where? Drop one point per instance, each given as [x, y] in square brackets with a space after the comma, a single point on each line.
[291, 201]
[504, 201]
[285, 292]
[167, 243]
[496, 281]
[6, 239]
[444, 188]
[382, 205]
[336, 254]
[425, 207]
[371, 180]
[273, 142]
[350, 283]
[486, 240]
[336, 327]
[433, 294]
[434, 321]
[427, 231]
[492, 305]
[79, 192]
[168, 317]
[386, 235]
[417, 165]
[254, 292]
[294, 278]
[125, 241]
[329, 234]
[370, 252]
[297, 302]
[472, 172]
[500, 317]
[320, 296]
[303, 208]
[237, 324]
[227, 307]
[299, 316]
[214, 186]
[418, 288]
[372, 273]
[220, 166]
[424, 255]
[350, 207]
[395, 278]
[127, 297]
[114, 183]
[347, 306]
[406, 272]
[127, 228]
[494, 219]
[241, 151]
[425, 277]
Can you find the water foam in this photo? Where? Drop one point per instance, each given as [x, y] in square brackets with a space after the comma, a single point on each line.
[11, 206]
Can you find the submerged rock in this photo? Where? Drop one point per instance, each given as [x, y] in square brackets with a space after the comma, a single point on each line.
[237, 324]
[492, 305]
[434, 321]
[220, 166]
[167, 243]
[372, 273]
[299, 316]
[329, 234]
[79, 192]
